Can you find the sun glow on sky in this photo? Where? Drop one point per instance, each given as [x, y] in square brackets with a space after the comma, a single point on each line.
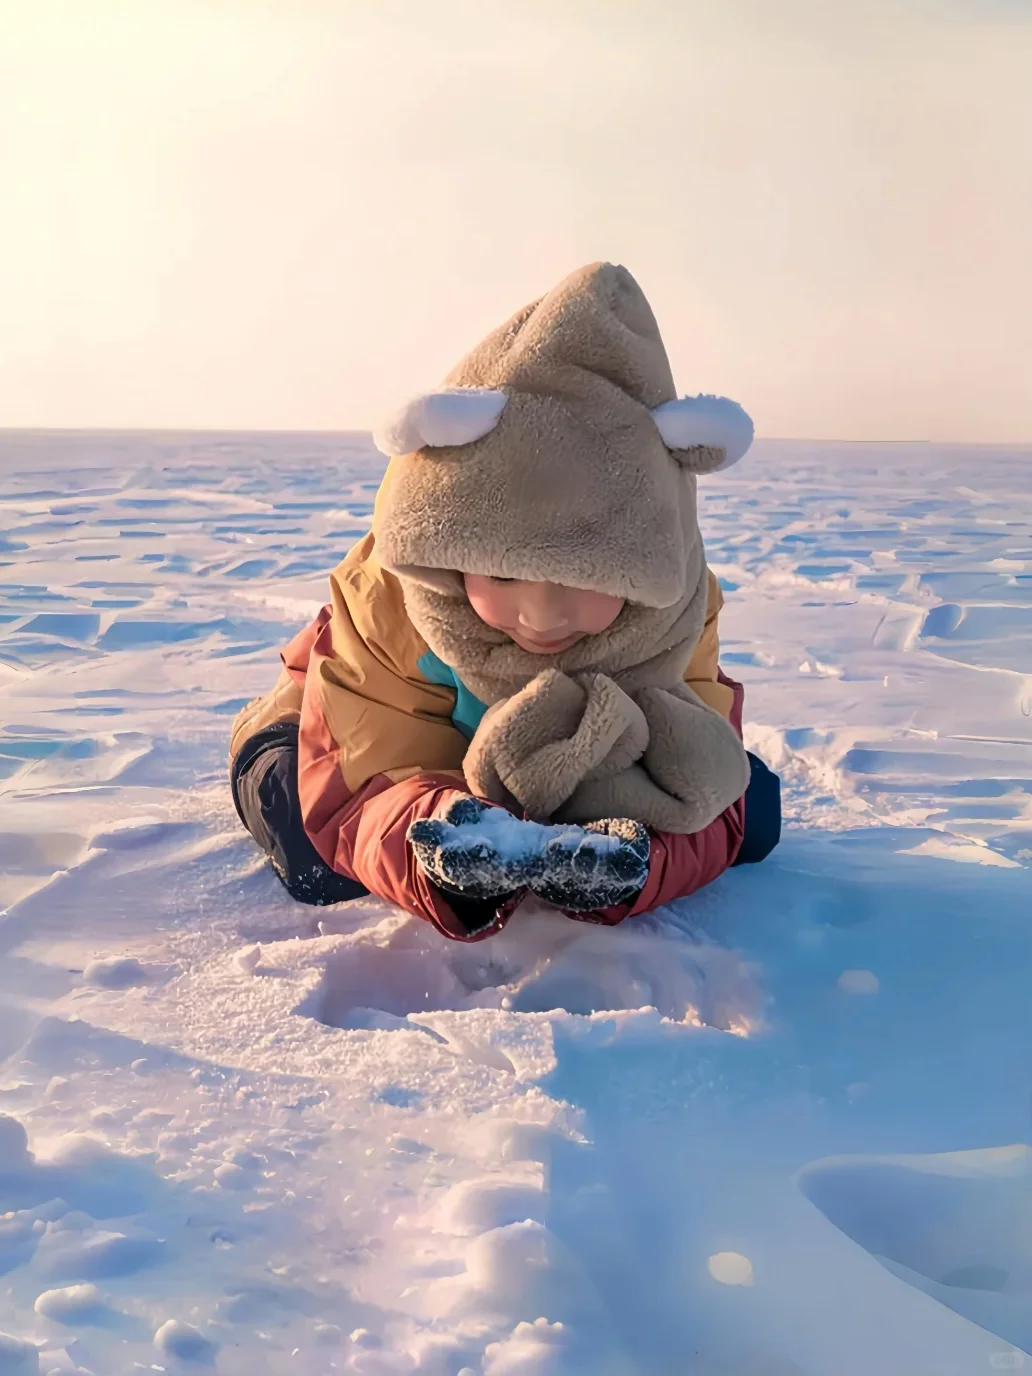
[265, 214]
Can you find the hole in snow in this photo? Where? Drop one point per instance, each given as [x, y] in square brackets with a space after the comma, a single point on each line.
[541, 963]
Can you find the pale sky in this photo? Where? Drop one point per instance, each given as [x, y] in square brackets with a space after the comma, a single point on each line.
[288, 214]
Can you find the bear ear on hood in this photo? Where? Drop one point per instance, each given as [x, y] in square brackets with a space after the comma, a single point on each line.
[704, 433]
[446, 417]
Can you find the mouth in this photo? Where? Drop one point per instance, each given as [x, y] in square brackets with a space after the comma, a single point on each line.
[548, 646]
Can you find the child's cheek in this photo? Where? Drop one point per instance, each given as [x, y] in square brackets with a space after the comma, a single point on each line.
[489, 606]
[600, 619]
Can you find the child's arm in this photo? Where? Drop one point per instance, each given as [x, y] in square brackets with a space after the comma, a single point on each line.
[377, 749]
[365, 836]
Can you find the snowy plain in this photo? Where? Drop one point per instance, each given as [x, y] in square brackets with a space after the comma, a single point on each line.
[777, 1129]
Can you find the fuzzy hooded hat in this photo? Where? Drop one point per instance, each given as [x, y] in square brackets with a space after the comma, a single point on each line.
[558, 451]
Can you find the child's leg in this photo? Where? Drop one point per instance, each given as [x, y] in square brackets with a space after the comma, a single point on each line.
[762, 813]
[264, 781]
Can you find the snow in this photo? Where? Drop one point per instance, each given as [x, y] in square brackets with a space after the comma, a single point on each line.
[514, 838]
[183, 1341]
[730, 1268]
[776, 1127]
[117, 973]
[17, 1358]
[75, 1304]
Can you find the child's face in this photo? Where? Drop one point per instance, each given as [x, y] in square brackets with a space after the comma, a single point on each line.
[544, 618]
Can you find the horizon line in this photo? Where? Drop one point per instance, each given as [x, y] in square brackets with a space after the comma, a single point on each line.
[316, 430]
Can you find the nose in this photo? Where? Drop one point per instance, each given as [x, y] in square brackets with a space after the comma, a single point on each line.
[542, 612]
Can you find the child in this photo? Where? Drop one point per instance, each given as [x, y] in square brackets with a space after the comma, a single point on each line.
[515, 686]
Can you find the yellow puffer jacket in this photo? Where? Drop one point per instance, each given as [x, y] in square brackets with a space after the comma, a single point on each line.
[384, 725]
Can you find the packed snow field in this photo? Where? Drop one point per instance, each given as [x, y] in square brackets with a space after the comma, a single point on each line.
[776, 1129]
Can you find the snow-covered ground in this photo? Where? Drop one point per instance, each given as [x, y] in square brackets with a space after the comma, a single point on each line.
[774, 1130]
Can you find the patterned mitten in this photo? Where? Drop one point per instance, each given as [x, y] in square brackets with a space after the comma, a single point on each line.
[475, 850]
[594, 866]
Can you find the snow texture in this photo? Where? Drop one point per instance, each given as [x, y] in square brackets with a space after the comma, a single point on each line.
[716, 422]
[777, 1127]
[450, 416]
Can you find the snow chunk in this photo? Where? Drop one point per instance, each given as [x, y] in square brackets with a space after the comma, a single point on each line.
[72, 1304]
[115, 972]
[531, 1349]
[14, 1143]
[517, 1270]
[362, 1337]
[473, 1206]
[17, 1357]
[730, 1268]
[104, 1256]
[543, 1348]
[103, 1183]
[508, 1139]
[858, 982]
[513, 837]
[249, 958]
[961, 850]
[233, 1177]
[184, 1342]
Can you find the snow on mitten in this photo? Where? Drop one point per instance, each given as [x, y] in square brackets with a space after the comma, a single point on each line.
[594, 866]
[475, 850]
